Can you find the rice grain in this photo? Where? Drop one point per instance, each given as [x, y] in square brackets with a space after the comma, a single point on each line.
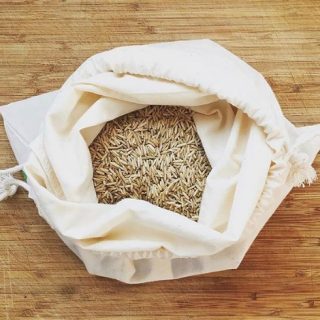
[152, 154]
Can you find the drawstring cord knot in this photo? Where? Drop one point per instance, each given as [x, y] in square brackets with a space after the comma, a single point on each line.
[9, 184]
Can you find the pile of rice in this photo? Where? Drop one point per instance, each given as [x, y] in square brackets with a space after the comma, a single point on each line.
[153, 154]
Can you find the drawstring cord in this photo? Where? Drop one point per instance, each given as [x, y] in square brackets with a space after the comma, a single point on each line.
[302, 172]
[9, 184]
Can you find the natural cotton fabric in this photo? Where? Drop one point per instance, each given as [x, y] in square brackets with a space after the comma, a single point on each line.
[257, 156]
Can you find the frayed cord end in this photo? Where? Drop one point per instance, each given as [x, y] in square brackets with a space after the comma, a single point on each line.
[302, 173]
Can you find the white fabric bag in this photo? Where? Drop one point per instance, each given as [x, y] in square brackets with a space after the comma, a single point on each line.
[256, 154]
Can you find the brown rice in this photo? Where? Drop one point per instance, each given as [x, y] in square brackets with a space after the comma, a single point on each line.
[153, 154]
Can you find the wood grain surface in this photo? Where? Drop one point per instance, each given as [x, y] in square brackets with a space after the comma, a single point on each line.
[41, 43]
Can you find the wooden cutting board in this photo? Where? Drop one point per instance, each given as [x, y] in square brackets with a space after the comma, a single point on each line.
[41, 44]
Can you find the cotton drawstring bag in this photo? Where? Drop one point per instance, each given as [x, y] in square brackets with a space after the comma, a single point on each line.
[257, 157]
